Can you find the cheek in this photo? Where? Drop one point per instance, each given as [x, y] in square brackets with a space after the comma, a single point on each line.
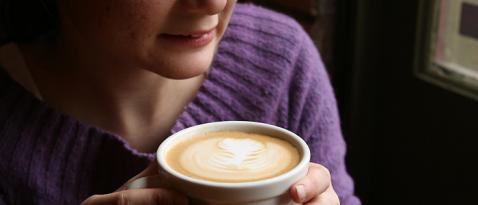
[141, 19]
[118, 21]
[123, 30]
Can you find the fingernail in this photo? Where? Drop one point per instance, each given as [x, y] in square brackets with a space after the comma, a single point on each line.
[300, 190]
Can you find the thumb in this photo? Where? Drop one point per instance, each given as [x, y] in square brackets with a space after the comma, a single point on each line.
[317, 181]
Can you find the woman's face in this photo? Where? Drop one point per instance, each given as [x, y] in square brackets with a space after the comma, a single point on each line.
[173, 38]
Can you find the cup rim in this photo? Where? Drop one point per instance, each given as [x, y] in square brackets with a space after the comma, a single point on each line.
[305, 159]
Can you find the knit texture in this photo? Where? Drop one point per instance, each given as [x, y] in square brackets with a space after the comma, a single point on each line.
[266, 69]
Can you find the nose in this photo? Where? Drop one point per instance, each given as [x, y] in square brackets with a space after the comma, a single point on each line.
[208, 7]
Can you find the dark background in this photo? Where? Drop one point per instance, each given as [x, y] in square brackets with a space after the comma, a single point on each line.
[409, 141]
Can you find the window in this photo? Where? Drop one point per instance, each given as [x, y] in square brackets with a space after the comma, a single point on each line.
[448, 45]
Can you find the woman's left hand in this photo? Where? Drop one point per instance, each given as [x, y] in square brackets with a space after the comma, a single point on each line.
[315, 188]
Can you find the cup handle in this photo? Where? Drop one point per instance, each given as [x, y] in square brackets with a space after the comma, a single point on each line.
[155, 181]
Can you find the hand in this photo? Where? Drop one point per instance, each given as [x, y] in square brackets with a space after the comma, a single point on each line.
[146, 196]
[315, 188]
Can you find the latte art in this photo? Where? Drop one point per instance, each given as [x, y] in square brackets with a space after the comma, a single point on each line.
[238, 154]
[233, 157]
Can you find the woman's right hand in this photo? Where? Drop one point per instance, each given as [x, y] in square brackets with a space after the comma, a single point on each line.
[145, 196]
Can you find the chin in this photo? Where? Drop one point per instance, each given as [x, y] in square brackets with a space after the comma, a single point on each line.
[181, 75]
[183, 65]
[186, 66]
[184, 70]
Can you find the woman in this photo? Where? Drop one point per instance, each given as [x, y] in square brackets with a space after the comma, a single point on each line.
[89, 89]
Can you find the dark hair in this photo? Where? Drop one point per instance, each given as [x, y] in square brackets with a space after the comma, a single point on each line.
[24, 21]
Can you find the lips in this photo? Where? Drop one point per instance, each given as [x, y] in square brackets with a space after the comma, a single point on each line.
[188, 39]
[197, 35]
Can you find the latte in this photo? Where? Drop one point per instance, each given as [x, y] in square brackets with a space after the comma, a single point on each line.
[231, 156]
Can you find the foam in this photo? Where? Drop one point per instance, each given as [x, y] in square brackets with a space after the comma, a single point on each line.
[233, 157]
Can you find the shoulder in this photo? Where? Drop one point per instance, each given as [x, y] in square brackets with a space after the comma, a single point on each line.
[259, 19]
[266, 58]
[273, 45]
[268, 38]
[268, 42]
[264, 30]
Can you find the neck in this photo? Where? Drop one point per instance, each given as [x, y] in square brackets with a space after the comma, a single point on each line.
[135, 103]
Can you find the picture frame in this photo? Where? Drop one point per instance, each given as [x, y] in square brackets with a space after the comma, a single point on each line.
[446, 51]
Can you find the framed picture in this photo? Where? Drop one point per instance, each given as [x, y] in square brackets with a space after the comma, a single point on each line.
[447, 45]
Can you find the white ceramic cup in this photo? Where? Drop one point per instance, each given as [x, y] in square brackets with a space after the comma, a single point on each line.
[262, 192]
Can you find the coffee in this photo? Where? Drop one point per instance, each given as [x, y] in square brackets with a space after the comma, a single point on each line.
[232, 156]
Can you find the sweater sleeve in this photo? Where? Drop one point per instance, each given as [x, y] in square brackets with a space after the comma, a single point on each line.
[313, 115]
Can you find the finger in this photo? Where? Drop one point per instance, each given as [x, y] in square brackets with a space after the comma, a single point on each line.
[316, 182]
[329, 197]
[152, 169]
[138, 197]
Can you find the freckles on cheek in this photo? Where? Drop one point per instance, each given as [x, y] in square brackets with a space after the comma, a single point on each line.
[137, 31]
[138, 23]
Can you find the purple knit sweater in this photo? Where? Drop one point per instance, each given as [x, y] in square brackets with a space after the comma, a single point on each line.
[267, 69]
